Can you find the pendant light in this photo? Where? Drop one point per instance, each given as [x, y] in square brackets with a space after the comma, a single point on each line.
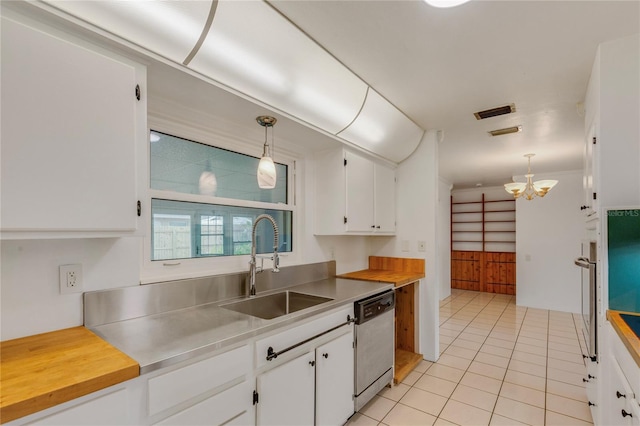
[530, 189]
[266, 167]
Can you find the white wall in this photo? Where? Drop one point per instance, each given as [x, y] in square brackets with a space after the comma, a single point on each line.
[548, 237]
[417, 200]
[30, 300]
[444, 238]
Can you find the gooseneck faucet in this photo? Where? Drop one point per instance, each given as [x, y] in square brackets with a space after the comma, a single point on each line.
[252, 262]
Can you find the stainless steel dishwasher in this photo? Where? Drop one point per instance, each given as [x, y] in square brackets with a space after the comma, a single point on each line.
[374, 351]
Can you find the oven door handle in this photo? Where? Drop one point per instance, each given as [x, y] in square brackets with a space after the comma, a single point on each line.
[582, 262]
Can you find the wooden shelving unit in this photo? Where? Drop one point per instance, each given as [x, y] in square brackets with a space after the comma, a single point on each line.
[483, 242]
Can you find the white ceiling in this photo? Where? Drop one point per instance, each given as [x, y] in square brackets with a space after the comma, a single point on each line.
[439, 66]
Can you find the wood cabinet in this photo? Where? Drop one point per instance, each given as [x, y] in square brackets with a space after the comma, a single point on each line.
[354, 195]
[73, 136]
[483, 244]
[314, 388]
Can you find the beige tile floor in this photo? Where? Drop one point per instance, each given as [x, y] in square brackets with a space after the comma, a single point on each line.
[500, 364]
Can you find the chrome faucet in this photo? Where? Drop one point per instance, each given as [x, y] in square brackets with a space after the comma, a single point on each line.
[252, 262]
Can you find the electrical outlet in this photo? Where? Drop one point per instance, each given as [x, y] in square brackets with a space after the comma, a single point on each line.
[422, 246]
[70, 279]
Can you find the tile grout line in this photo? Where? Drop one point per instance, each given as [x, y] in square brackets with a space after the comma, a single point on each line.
[509, 307]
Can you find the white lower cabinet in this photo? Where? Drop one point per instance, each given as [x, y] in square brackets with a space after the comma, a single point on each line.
[314, 388]
[211, 391]
[109, 409]
[286, 393]
[621, 393]
[227, 406]
[335, 381]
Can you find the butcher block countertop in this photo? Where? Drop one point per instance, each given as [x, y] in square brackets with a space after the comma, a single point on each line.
[628, 337]
[398, 271]
[44, 370]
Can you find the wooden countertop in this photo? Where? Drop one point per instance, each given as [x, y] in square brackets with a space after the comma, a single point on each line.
[396, 270]
[629, 338]
[396, 278]
[38, 372]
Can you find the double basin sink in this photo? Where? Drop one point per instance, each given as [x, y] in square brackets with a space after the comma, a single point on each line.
[276, 305]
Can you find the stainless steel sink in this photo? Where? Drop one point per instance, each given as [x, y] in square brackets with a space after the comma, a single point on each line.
[275, 305]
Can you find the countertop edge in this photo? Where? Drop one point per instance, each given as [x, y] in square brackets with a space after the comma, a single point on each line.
[50, 396]
[628, 337]
[398, 279]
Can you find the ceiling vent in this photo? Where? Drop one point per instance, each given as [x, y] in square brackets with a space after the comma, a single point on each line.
[494, 112]
[505, 131]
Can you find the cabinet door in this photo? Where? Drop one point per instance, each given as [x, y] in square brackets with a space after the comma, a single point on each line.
[589, 174]
[385, 198]
[359, 194]
[216, 410]
[335, 381]
[69, 123]
[286, 393]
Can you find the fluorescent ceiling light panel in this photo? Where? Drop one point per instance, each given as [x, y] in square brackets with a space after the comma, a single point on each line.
[169, 28]
[269, 43]
[445, 3]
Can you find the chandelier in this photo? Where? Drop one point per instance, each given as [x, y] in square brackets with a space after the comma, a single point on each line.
[530, 189]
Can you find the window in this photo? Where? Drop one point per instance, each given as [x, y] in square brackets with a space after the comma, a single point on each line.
[205, 201]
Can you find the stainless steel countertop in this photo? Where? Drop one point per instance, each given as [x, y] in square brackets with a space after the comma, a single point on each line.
[160, 340]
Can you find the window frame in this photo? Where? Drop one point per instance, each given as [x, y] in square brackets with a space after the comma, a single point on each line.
[163, 270]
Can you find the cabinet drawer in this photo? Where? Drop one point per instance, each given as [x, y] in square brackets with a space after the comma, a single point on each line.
[110, 409]
[625, 361]
[188, 382]
[300, 333]
[217, 409]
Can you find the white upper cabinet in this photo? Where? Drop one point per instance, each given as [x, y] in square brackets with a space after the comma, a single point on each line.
[354, 195]
[359, 194]
[384, 185]
[255, 50]
[72, 129]
[169, 28]
[612, 108]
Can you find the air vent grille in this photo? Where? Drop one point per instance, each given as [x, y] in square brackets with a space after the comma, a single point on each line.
[494, 112]
[506, 131]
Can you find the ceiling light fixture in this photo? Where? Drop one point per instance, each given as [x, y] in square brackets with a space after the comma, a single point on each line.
[530, 189]
[266, 167]
[445, 3]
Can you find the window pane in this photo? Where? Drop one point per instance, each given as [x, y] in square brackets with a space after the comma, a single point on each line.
[171, 236]
[211, 235]
[190, 167]
[183, 230]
